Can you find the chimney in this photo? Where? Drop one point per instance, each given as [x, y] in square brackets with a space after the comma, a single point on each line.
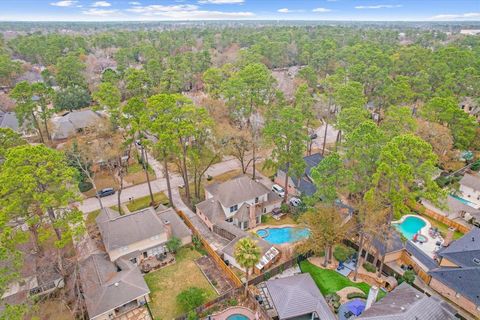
[372, 297]
[168, 228]
[449, 237]
[253, 219]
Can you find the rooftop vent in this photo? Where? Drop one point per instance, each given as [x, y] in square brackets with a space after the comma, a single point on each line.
[116, 284]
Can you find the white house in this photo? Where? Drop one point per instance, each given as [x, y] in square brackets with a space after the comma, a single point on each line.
[470, 187]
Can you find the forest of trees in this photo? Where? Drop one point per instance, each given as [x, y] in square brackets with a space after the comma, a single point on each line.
[195, 94]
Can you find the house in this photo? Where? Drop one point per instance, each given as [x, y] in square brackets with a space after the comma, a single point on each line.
[471, 107]
[455, 208]
[458, 276]
[141, 234]
[298, 297]
[470, 187]
[111, 289]
[73, 123]
[406, 303]
[240, 201]
[9, 120]
[302, 185]
[234, 206]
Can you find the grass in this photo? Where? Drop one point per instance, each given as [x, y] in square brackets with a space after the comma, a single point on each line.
[102, 180]
[91, 216]
[270, 221]
[442, 227]
[144, 202]
[165, 284]
[330, 281]
[136, 175]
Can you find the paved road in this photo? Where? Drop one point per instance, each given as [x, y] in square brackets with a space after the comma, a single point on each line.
[159, 185]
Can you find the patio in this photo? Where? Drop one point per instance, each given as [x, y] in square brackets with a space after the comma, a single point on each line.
[153, 263]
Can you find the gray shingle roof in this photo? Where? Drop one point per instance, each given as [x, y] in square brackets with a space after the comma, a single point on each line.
[9, 120]
[230, 247]
[312, 161]
[471, 181]
[406, 303]
[237, 190]
[121, 231]
[464, 250]
[298, 295]
[212, 209]
[179, 229]
[465, 281]
[394, 243]
[105, 288]
[69, 124]
[421, 256]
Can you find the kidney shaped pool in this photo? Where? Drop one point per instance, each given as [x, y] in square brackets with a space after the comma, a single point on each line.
[410, 226]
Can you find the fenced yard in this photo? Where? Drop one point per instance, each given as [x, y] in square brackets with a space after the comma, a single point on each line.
[165, 284]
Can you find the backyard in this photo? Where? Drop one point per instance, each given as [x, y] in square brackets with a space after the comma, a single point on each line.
[165, 284]
[330, 281]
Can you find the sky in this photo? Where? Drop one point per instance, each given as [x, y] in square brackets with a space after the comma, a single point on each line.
[160, 10]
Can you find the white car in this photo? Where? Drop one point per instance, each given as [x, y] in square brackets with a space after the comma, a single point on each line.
[295, 202]
[278, 190]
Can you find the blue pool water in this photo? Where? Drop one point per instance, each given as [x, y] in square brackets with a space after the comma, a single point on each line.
[284, 235]
[464, 201]
[410, 226]
[237, 317]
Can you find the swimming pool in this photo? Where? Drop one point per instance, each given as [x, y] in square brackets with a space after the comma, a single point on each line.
[283, 235]
[237, 317]
[410, 226]
[464, 201]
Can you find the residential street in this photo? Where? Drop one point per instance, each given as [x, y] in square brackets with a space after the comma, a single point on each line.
[159, 185]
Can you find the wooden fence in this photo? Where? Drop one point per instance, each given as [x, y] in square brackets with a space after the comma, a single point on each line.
[460, 227]
[407, 259]
[214, 255]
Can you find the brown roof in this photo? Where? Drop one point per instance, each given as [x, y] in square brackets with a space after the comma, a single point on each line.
[237, 190]
[212, 209]
[119, 231]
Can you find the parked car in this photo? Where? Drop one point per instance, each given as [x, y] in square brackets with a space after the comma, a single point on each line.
[105, 192]
[295, 202]
[313, 136]
[278, 190]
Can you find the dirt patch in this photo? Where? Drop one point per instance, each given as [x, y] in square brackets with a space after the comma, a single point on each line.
[216, 277]
[345, 291]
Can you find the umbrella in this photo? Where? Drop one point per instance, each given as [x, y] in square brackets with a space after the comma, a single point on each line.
[356, 306]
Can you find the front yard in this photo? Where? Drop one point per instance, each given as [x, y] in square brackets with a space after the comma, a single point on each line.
[143, 202]
[165, 284]
[330, 281]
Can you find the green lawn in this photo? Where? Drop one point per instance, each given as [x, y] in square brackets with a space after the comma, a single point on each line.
[330, 281]
[270, 221]
[144, 202]
[442, 227]
[165, 284]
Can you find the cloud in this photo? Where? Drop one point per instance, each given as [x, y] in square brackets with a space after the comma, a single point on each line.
[321, 10]
[101, 4]
[461, 16]
[134, 3]
[64, 3]
[380, 6]
[185, 12]
[286, 10]
[221, 1]
[99, 12]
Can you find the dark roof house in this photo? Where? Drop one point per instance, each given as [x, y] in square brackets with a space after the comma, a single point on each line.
[298, 296]
[407, 303]
[304, 184]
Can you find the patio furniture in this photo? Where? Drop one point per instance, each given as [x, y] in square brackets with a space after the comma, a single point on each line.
[348, 314]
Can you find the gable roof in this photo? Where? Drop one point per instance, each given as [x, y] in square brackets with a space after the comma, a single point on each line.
[179, 229]
[71, 122]
[464, 250]
[298, 295]
[9, 120]
[105, 288]
[471, 181]
[462, 280]
[236, 190]
[119, 231]
[312, 161]
[406, 303]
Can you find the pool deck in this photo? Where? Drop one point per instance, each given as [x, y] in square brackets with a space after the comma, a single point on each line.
[429, 246]
[234, 310]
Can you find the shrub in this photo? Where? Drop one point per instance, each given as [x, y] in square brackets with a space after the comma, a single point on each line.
[341, 252]
[191, 298]
[475, 166]
[174, 244]
[84, 186]
[353, 295]
[369, 267]
[192, 315]
[409, 276]
[232, 302]
[285, 208]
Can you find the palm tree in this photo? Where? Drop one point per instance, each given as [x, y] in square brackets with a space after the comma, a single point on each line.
[247, 254]
[327, 228]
